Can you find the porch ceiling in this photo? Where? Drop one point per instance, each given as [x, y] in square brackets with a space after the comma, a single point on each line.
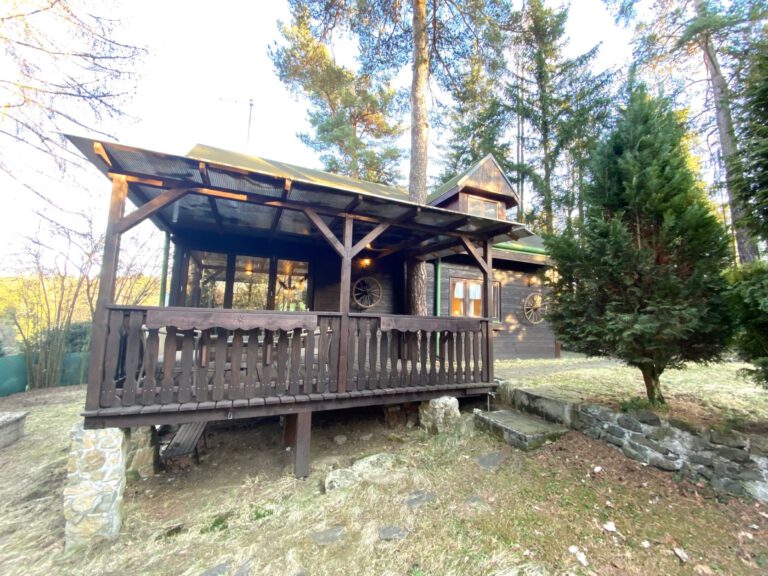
[231, 194]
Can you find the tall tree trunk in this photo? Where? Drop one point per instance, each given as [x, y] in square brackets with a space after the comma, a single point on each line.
[652, 384]
[417, 178]
[745, 243]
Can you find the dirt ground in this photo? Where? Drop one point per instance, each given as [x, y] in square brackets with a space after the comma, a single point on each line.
[240, 511]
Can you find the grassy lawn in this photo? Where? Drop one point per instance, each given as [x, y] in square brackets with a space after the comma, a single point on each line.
[699, 395]
[241, 506]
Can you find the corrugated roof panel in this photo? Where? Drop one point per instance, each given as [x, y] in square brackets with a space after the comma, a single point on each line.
[157, 165]
[241, 183]
[295, 222]
[321, 198]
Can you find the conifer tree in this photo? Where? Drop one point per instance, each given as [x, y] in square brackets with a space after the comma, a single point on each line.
[643, 280]
[752, 129]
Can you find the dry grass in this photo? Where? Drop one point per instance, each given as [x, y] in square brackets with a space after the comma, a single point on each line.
[242, 505]
[703, 396]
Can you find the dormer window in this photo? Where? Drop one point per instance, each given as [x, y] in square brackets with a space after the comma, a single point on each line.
[478, 206]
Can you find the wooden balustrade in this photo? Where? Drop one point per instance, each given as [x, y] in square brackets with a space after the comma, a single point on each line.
[182, 355]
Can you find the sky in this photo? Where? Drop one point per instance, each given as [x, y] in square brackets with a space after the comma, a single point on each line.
[206, 62]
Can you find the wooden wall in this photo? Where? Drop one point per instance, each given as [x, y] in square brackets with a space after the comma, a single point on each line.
[388, 272]
[514, 337]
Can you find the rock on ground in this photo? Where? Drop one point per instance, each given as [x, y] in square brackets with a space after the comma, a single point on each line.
[439, 415]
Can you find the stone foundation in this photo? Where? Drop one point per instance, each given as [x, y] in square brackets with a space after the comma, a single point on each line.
[96, 479]
[143, 453]
[732, 463]
[11, 427]
[439, 415]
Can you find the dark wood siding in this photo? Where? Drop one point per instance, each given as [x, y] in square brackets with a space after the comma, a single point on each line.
[388, 272]
[514, 337]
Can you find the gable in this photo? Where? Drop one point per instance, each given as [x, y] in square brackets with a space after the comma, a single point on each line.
[486, 177]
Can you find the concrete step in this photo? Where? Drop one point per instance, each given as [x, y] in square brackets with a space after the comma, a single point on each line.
[518, 429]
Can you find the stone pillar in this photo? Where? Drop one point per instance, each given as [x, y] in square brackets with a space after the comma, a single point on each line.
[143, 453]
[96, 479]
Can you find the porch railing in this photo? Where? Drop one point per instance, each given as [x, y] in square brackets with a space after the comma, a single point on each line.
[183, 355]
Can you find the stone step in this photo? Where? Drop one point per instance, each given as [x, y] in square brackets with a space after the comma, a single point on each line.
[518, 429]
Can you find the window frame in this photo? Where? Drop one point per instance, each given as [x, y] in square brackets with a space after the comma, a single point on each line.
[472, 198]
[452, 280]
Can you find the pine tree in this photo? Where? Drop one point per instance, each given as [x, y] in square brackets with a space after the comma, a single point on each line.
[643, 280]
[752, 129]
[353, 117]
[479, 122]
[561, 102]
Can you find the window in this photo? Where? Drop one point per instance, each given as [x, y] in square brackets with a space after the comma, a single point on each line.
[482, 207]
[467, 298]
[259, 283]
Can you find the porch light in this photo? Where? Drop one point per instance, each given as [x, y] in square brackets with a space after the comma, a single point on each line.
[365, 263]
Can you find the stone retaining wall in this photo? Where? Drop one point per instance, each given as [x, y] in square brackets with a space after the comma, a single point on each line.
[733, 463]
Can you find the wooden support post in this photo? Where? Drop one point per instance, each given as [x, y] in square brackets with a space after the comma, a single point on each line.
[272, 284]
[344, 295]
[106, 291]
[489, 305]
[297, 432]
[229, 284]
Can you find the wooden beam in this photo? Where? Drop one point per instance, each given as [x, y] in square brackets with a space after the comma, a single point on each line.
[229, 284]
[146, 210]
[368, 238]
[473, 251]
[326, 232]
[279, 213]
[303, 433]
[100, 151]
[106, 292]
[203, 169]
[345, 289]
[487, 257]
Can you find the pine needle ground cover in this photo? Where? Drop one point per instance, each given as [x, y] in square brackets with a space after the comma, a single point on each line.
[527, 513]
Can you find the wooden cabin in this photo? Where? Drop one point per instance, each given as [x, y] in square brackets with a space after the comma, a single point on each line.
[287, 292]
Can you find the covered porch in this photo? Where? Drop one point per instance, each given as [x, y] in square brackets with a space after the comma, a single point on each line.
[287, 295]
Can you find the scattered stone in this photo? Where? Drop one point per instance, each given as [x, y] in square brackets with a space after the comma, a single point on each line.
[645, 544]
[580, 556]
[680, 553]
[340, 479]
[366, 437]
[392, 533]
[439, 415]
[646, 417]
[419, 498]
[340, 439]
[703, 570]
[218, 570]
[329, 536]
[490, 461]
[597, 469]
[378, 469]
[609, 527]
[702, 458]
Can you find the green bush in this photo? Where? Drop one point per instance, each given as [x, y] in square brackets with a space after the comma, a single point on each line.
[749, 306]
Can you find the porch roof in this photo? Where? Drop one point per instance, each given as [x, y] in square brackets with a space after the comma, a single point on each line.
[226, 193]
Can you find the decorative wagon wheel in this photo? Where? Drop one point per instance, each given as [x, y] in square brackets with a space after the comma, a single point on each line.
[534, 308]
[366, 292]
